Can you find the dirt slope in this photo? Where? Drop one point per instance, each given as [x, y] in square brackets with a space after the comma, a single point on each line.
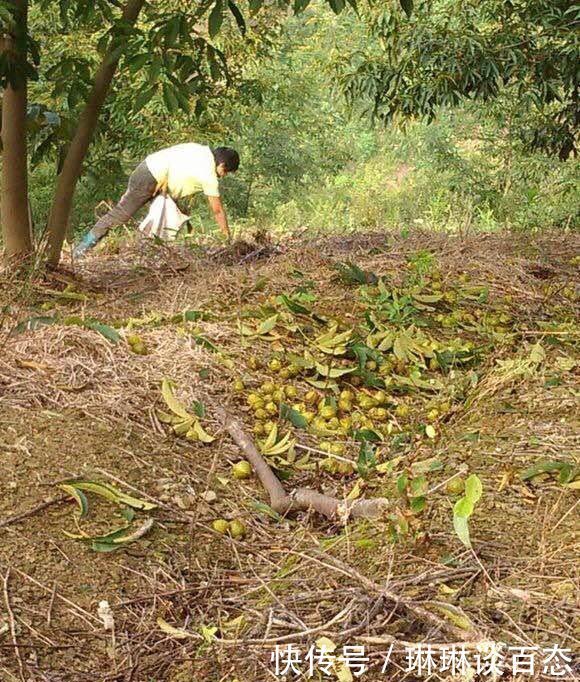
[73, 403]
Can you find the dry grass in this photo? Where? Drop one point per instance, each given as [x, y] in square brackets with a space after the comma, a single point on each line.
[72, 403]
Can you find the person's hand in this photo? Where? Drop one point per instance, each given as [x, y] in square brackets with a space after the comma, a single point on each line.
[85, 244]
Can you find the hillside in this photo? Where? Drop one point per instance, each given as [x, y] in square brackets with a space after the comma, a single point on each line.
[410, 361]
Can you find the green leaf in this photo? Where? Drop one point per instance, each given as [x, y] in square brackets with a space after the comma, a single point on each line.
[327, 384]
[192, 315]
[402, 482]
[200, 340]
[428, 298]
[117, 538]
[171, 101]
[155, 69]
[201, 434]
[293, 416]
[127, 536]
[171, 401]
[108, 332]
[238, 16]
[176, 633]
[171, 32]
[426, 465]
[199, 409]
[407, 6]
[351, 274]
[537, 353]
[418, 486]
[417, 504]
[267, 326]
[456, 616]
[463, 507]
[369, 435]
[293, 306]
[473, 489]
[143, 97]
[568, 474]
[430, 431]
[366, 459]
[110, 493]
[300, 5]
[462, 529]
[138, 61]
[544, 467]
[216, 18]
[79, 496]
[337, 5]
[33, 323]
[102, 547]
[363, 353]
[266, 509]
[255, 5]
[182, 96]
[128, 514]
[208, 633]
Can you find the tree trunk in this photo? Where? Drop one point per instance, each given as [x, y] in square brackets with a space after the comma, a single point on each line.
[77, 151]
[16, 228]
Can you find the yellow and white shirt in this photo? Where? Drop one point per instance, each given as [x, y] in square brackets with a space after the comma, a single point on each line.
[185, 169]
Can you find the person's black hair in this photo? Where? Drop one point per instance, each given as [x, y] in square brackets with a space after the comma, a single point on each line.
[228, 156]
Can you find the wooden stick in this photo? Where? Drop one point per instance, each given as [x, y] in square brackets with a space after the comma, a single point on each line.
[301, 499]
[24, 515]
[13, 627]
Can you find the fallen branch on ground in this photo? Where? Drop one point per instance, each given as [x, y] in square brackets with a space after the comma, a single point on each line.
[24, 515]
[301, 499]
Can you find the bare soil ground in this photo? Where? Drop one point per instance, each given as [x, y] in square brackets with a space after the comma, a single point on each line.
[73, 403]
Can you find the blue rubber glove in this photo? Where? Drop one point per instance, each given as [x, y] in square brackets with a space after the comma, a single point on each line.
[85, 244]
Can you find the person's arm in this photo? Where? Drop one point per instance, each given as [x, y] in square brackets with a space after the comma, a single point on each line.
[220, 216]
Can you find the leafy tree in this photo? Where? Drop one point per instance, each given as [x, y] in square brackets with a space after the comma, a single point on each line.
[452, 50]
[303, 134]
[171, 43]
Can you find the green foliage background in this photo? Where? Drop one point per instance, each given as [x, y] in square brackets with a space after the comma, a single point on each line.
[309, 161]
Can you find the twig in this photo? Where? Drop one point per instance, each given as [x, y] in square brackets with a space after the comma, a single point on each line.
[565, 515]
[50, 605]
[403, 646]
[13, 626]
[84, 614]
[24, 515]
[417, 611]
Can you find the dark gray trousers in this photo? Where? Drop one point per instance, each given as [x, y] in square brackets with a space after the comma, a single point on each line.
[140, 189]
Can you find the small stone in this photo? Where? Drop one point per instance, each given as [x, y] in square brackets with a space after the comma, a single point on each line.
[209, 496]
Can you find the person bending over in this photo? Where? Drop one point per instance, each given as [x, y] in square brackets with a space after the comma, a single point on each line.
[179, 171]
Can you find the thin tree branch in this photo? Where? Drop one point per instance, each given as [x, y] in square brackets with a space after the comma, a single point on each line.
[301, 499]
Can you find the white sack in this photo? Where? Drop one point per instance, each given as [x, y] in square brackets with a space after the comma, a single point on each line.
[164, 219]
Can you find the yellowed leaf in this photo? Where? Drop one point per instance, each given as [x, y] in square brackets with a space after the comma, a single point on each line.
[176, 633]
[343, 674]
[326, 643]
[355, 492]
[171, 401]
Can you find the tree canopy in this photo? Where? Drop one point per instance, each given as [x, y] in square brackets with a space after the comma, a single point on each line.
[448, 51]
